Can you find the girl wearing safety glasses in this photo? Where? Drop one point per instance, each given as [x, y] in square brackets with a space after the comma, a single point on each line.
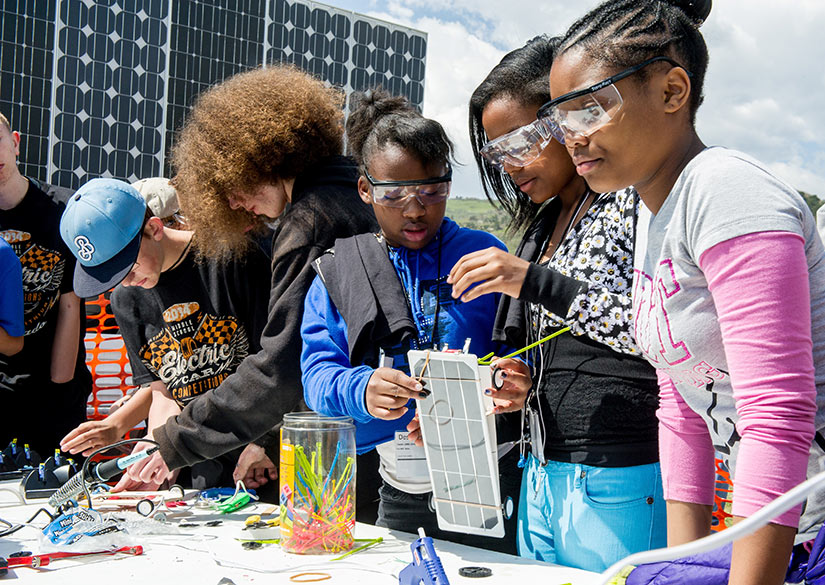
[591, 490]
[379, 295]
[729, 290]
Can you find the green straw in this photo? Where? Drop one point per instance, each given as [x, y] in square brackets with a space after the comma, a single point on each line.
[487, 359]
[370, 542]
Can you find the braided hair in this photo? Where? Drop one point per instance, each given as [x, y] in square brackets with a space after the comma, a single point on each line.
[622, 33]
[378, 119]
[521, 75]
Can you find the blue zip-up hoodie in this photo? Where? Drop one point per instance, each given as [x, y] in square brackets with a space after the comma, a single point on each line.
[336, 369]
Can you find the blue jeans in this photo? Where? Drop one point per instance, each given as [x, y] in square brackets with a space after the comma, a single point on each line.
[589, 517]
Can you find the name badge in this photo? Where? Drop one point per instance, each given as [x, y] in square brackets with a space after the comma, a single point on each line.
[410, 460]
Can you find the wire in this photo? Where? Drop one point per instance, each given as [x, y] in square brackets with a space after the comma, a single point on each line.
[16, 493]
[85, 467]
[12, 528]
[738, 530]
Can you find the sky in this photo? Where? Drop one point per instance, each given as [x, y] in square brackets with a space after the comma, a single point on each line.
[764, 91]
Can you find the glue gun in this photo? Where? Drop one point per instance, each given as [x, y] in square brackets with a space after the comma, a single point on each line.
[425, 567]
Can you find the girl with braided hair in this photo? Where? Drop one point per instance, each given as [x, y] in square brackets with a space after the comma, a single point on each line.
[591, 490]
[729, 278]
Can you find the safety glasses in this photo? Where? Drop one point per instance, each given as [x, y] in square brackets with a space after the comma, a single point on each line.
[584, 111]
[520, 147]
[399, 193]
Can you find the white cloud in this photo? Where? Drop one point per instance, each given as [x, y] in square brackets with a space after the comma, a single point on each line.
[764, 86]
[399, 12]
[800, 177]
[449, 84]
[763, 90]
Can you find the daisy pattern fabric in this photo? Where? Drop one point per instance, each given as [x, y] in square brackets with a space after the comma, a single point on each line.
[598, 251]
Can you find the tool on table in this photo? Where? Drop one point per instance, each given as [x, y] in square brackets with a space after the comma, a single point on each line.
[257, 529]
[475, 572]
[16, 462]
[99, 473]
[27, 559]
[425, 567]
[240, 498]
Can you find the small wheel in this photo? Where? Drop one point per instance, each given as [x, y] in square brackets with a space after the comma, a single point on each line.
[508, 507]
[145, 507]
[176, 490]
[498, 378]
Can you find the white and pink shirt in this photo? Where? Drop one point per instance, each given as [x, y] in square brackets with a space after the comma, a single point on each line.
[729, 302]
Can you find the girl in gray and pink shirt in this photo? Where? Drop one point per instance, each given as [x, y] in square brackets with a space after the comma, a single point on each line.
[729, 284]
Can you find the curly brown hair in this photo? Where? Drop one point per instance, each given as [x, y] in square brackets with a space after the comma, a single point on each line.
[254, 128]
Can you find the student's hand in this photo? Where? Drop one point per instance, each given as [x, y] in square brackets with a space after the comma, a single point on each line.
[150, 470]
[254, 466]
[493, 270]
[118, 403]
[516, 384]
[388, 391]
[88, 436]
[127, 484]
[414, 431]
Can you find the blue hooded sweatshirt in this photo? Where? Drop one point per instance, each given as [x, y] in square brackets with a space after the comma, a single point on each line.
[335, 387]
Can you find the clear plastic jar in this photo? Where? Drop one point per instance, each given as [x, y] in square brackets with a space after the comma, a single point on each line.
[317, 478]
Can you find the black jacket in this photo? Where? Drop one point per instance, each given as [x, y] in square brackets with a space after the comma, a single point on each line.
[267, 385]
[598, 405]
[352, 273]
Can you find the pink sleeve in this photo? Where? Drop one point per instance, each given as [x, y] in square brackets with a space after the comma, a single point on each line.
[759, 284]
[685, 448]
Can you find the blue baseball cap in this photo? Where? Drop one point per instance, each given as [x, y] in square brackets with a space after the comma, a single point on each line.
[102, 226]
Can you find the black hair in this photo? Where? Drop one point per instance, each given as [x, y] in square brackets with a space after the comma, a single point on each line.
[523, 76]
[623, 33]
[378, 119]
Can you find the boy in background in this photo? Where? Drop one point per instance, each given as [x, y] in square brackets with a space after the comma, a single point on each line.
[44, 387]
[11, 301]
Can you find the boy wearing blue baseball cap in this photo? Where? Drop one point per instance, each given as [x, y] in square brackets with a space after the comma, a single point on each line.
[103, 228]
[44, 387]
[186, 325]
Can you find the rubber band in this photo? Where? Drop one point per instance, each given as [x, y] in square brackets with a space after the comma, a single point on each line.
[301, 577]
[424, 368]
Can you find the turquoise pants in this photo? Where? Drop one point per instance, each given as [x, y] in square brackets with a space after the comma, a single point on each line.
[589, 517]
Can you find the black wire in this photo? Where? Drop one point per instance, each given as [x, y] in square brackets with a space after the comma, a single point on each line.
[437, 293]
[106, 448]
[410, 300]
[12, 528]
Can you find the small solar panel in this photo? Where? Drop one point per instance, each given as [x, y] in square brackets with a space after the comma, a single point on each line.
[459, 442]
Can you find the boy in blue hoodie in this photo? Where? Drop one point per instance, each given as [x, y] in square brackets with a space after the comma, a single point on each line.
[377, 296]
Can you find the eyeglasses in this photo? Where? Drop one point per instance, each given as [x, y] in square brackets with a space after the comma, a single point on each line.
[399, 193]
[584, 111]
[520, 147]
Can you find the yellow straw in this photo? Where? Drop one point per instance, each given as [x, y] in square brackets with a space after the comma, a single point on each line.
[487, 359]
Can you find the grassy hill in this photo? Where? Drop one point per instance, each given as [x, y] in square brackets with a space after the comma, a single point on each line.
[813, 201]
[480, 214]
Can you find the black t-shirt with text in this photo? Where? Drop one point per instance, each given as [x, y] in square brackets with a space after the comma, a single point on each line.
[196, 325]
[32, 228]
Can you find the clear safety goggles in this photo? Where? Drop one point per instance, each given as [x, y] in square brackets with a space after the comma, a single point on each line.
[399, 193]
[520, 147]
[584, 111]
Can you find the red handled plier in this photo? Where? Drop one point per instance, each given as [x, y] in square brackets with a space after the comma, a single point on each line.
[27, 559]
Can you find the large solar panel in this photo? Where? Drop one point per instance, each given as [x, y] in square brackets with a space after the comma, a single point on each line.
[99, 88]
[459, 441]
